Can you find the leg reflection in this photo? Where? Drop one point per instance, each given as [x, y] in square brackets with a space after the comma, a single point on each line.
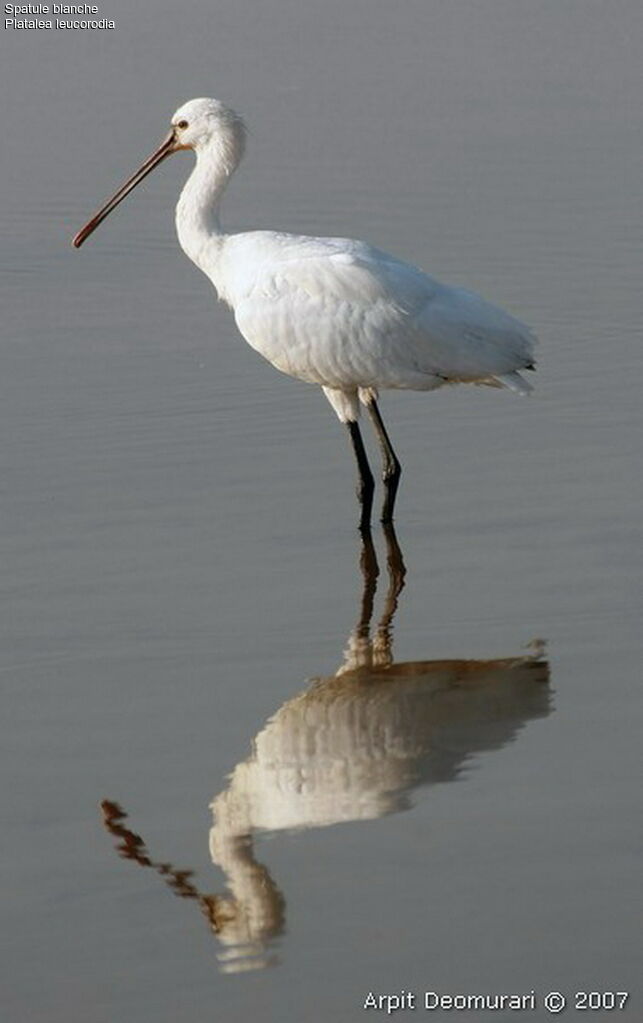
[362, 651]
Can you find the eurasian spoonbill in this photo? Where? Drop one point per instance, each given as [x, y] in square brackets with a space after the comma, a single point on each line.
[331, 311]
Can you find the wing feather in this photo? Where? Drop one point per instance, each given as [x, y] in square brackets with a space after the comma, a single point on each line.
[345, 315]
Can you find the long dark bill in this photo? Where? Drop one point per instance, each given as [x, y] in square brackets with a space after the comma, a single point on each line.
[165, 149]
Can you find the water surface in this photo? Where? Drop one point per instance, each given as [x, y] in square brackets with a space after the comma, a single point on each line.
[177, 531]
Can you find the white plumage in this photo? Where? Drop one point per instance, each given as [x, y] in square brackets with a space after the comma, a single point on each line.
[332, 311]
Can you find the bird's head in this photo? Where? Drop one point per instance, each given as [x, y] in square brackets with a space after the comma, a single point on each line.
[199, 124]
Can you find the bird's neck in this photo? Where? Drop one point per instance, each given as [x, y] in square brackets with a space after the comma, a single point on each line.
[197, 211]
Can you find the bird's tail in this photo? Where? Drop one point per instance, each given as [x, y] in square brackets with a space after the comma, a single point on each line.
[514, 381]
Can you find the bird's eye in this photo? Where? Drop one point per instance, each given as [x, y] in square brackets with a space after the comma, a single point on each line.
[182, 124]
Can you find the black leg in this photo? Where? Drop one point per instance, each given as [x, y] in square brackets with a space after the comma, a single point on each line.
[391, 468]
[366, 484]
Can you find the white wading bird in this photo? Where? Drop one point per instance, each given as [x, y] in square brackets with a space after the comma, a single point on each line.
[331, 311]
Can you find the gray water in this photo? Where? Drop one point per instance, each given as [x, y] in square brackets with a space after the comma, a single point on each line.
[179, 552]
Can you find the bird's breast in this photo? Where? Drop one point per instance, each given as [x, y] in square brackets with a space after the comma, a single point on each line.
[328, 343]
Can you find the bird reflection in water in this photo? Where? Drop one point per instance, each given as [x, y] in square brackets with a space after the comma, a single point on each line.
[350, 747]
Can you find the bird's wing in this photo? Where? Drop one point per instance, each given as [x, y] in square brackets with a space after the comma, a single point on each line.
[343, 314]
[473, 339]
